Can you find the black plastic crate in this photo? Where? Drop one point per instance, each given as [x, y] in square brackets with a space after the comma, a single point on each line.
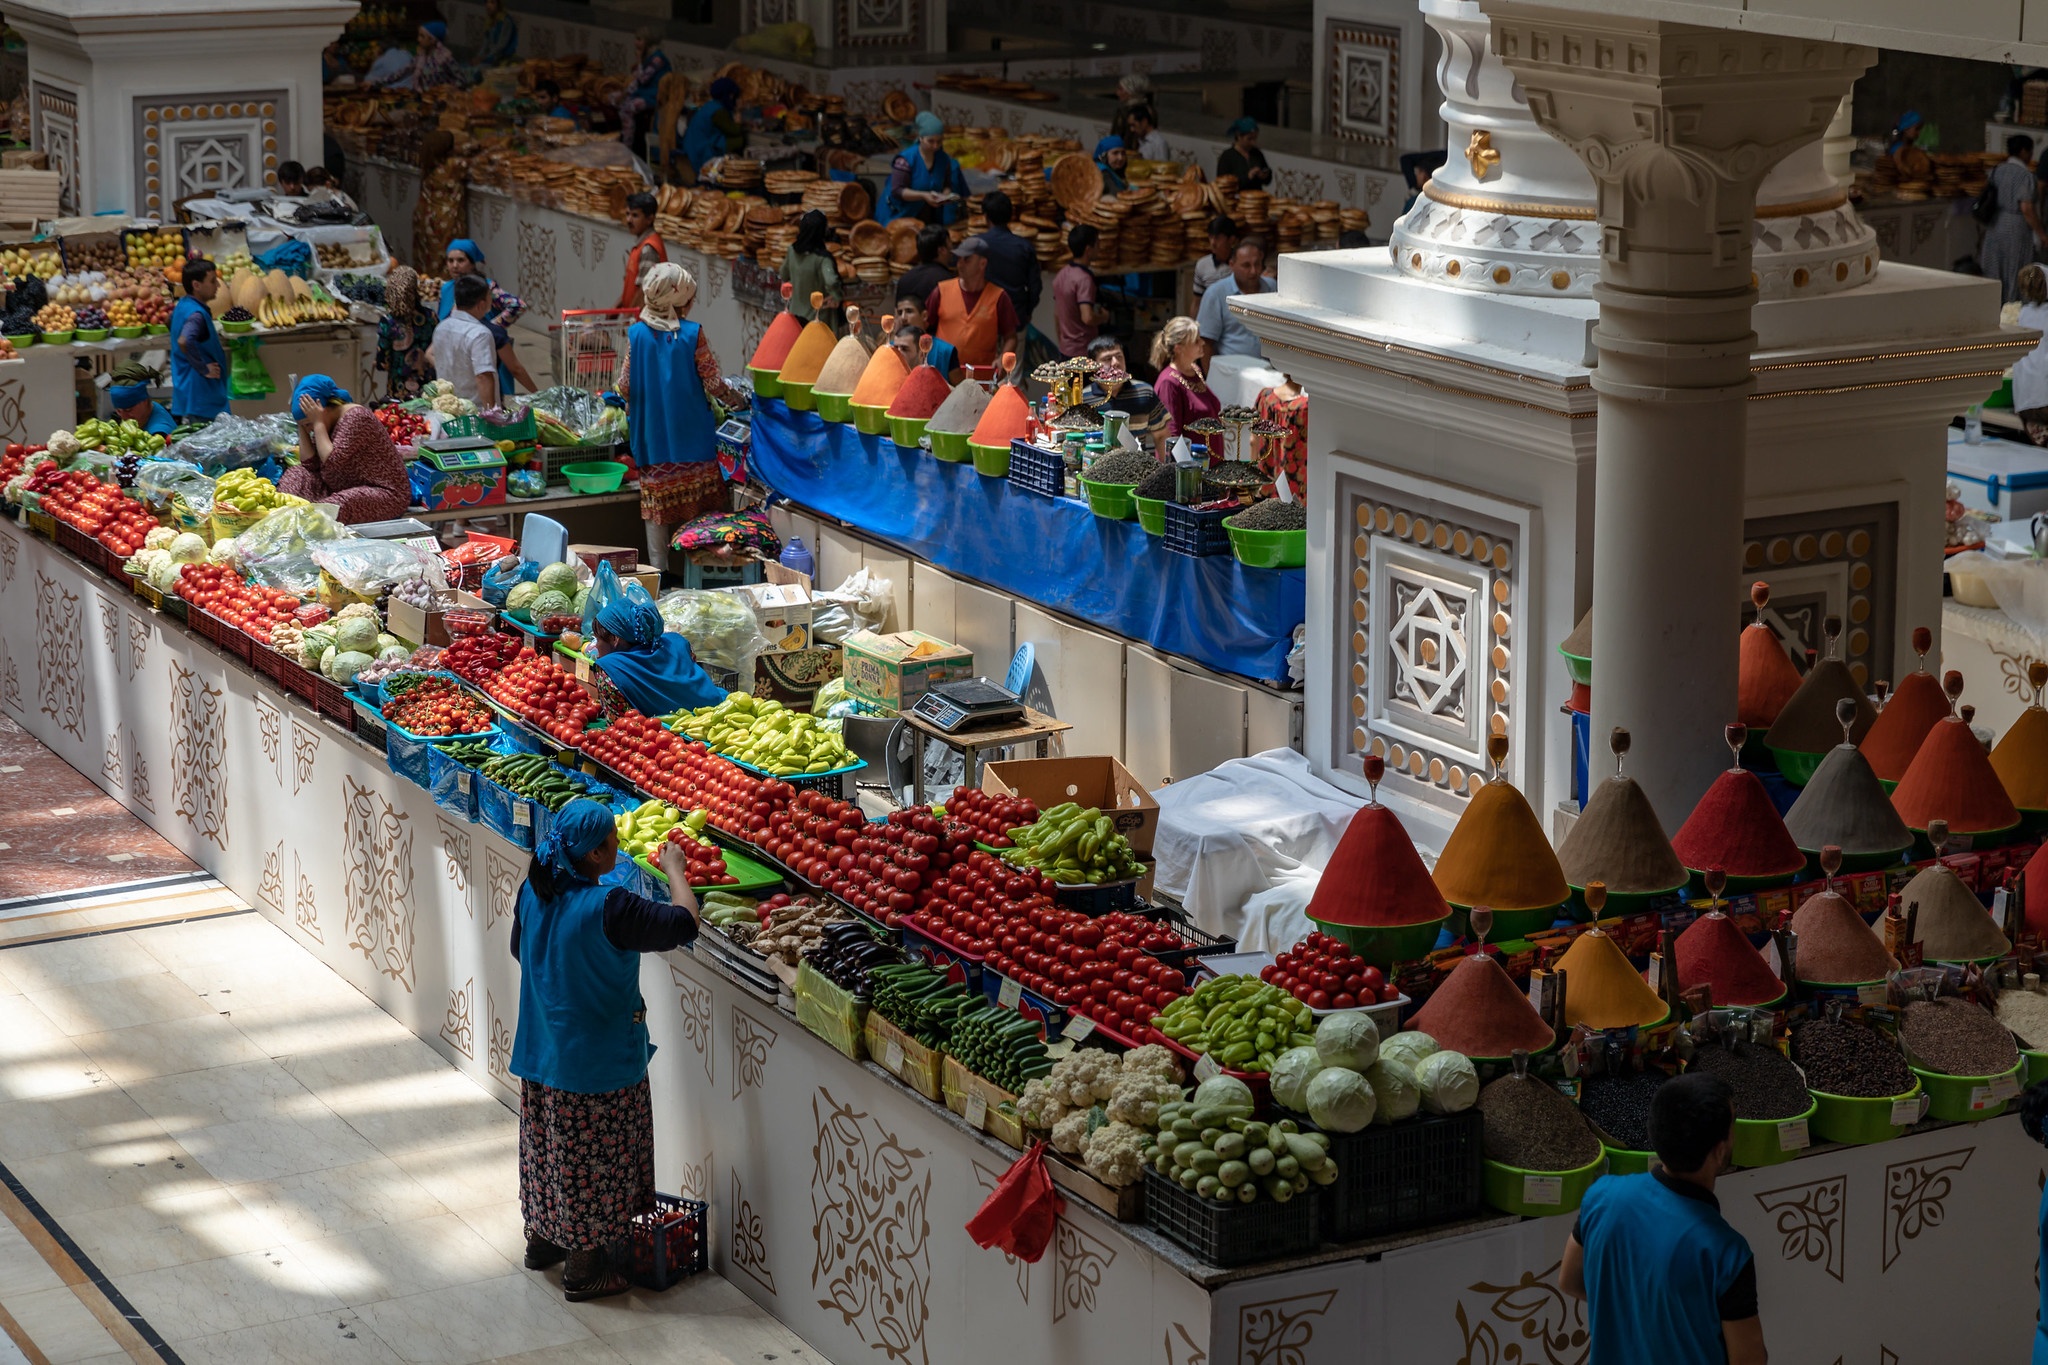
[1199, 942]
[1097, 900]
[1037, 470]
[1412, 1174]
[1200, 534]
[664, 1246]
[1232, 1234]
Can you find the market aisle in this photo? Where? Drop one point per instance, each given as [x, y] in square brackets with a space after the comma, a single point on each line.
[60, 833]
[264, 1166]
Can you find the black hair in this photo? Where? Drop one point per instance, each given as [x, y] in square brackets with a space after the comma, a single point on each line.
[548, 84]
[909, 297]
[195, 272]
[290, 170]
[1082, 236]
[1222, 225]
[995, 206]
[1257, 243]
[910, 329]
[1689, 1116]
[641, 202]
[930, 239]
[2034, 1112]
[811, 232]
[2019, 145]
[470, 290]
[318, 175]
[1351, 239]
[1103, 342]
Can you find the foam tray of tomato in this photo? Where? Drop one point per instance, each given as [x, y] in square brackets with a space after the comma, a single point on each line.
[220, 592]
[439, 708]
[1325, 974]
[533, 689]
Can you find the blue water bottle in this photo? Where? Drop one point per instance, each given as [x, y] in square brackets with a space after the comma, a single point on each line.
[796, 555]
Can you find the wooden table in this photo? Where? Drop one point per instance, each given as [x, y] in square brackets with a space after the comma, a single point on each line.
[1036, 729]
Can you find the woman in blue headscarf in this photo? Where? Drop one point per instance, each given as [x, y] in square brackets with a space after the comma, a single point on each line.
[1111, 156]
[643, 87]
[128, 393]
[465, 257]
[648, 666]
[925, 181]
[346, 456]
[586, 1128]
[433, 62]
[713, 130]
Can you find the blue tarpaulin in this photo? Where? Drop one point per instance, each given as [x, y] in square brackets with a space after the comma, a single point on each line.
[1052, 551]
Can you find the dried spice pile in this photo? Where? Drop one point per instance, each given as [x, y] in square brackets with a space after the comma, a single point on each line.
[1125, 466]
[1529, 1125]
[1767, 1086]
[1848, 1058]
[1620, 1105]
[2025, 1013]
[1271, 514]
[1957, 1038]
[921, 393]
[1479, 1011]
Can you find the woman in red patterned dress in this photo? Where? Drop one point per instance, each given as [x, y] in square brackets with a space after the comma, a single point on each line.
[346, 457]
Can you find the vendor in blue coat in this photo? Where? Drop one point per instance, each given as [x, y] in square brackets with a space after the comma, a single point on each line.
[586, 1126]
[199, 361]
[925, 181]
[128, 394]
[670, 378]
[650, 666]
[713, 130]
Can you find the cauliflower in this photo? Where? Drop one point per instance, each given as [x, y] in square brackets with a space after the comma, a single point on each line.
[144, 561]
[1153, 1060]
[1081, 1078]
[355, 611]
[451, 405]
[1114, 1154]
[1137, 1098]
[1036, 1107]
[1071, 1132]
[62, 445]
[159, 538]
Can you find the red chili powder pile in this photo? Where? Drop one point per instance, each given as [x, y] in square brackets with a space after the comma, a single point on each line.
[1895, 736]
[1714, 953]
[1479, 1011]
[1007, 419]
[921, 394]
[1735, 827]
[774, 348]
[1376, 878]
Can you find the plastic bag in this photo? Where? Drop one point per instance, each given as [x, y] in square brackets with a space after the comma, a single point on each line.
[526, 483]
[604, 586]
[277, 551]
[721, 628]
[367, 567]
[1019, 1213]
[159, 483]
[503, 576]
[248, 376]
[864, 596]
[231, 442]
[573, 412]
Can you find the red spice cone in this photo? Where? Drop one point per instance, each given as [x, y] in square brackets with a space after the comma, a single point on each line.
[775, 343]
[1376, 879]
[1951, 778]
[1766, 677]
[1714, 953]
[1481, 1012]
[1900, 728]
[1736, 828]
[2037, 891]
[921, 393]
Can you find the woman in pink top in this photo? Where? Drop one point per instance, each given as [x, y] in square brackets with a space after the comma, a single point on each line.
[346, 457]
[1177, 353]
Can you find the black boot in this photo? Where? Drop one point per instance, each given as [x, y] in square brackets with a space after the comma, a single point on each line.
[591, 1275]
[541, 1253]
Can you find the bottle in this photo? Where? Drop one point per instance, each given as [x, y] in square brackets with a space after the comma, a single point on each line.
[1973, 425]
[796, 555]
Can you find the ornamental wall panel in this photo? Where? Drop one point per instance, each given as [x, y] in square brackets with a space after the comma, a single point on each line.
[53, 123]
[189, 146]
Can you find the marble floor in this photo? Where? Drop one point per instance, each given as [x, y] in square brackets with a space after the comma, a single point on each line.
[60, 833]
[213, 1150]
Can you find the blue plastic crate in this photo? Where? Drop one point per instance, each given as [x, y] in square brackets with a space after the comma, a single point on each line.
[408, 753]
[454, 786]
[831, 783]
[715, 574]
[506, 813]
[1051, 1014]
[1036, 469]
[1199, 534]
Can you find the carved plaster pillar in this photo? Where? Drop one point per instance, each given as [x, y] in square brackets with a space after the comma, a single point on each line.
[1678, 126]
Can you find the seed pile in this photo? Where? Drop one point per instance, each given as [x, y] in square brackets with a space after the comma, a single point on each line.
[1621, 1106]
[1531, 1126]
[1271, 514]
[2025, 1013]
[1158, 484]
[961, 410]
[1957, 1038]
[1849, 1058]
[1125, 466]
[1835, 946]
[1236, 474]
[1767, 1086]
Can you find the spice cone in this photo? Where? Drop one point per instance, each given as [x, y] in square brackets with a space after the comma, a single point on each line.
[1953, 924]
[1618, 840]
[1807, 723]
[2036, 878]
[1007, 419]
[2021, 760]
[923, 390]
[1845, 805]
[844, 367]
[1836, 948]
[813, 347]
[962, 408]
[1602, 990]
[1481, 1012]
[884, 376]
[1952, 779]
[776, 342]
[1497, 856]
[1376, 879]
[1736, 828]
[1766, 677]
[1713, 952]
[1899, 729]
[1580, 641]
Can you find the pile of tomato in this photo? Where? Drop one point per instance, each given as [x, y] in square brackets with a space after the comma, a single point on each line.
[688, 775]
[438, 707]
[990, 815]
[406, 428]
[1323, 973]
[706, 860]
[83, 503]
[219, 591]
[544, 695]
[15, 459]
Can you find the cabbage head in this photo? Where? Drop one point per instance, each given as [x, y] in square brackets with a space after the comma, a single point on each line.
[1349, 1039]
[1292, 1071]
[1409, 1047]
[1225, 1090]
[1449, 1084]
[1394, 1090]
[1340, 1101]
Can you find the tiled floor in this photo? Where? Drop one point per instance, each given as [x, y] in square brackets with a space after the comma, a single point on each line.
[58, 832]
[267, 1168]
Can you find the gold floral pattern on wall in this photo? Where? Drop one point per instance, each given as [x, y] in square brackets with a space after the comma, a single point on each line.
[377, 880]
[199, 758]
[869, 1197]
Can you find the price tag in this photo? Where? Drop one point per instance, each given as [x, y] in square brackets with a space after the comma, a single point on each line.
[1655, 974]
[1012, 991]
[462, 781]
[1906, 1113]
[582, 669]
[1873, 993]
[893, 1059]
[1793, 1137]
[1207, 1068]
[977, 1112]
[1542, 1189]
[1078, 1027]
[1981, 1097]
[2000, 900]
[522, 814]
[2005, 1087]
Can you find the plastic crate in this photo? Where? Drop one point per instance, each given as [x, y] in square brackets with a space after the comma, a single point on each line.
[1199, 534]
[222, 636]
[1097, 900]
[1037, 470]
[719, 571]
[275, 666]
[965, 968]
[370, 727]
[1200, 942]
[1050, 1014]
[1232, 1234]
[1412, 1174]
[506, 813]
[410, 755]
[831, 1012]
[332, 700]
[664, 1245]
[833, 784]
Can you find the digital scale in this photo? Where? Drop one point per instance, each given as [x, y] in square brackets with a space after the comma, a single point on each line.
[456, 454]
[972, 705]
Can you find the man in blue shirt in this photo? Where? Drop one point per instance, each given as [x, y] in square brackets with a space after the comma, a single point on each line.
[1664, 1277]
[1223, 332]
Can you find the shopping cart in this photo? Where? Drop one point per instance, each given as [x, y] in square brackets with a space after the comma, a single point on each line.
[590, 346]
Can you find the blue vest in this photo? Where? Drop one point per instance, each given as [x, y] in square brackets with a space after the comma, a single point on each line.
[668, 418]
[192, 393]
[577, 996]
[1656, 1265]
[943, 357]
[942, 174]
[701, 138]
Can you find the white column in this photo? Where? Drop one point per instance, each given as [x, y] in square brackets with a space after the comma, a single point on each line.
[1678, 126]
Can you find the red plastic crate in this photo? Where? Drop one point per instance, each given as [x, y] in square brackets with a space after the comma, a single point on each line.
[227, 638]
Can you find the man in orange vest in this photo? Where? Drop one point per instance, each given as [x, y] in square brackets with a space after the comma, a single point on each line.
[974, 315]
[647, 251]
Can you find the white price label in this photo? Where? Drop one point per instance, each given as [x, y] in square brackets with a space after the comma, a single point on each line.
[1655, 973]
[1906, 1113]
[893, 1058]
[582, 669]
[1207, 1068]
[977, 1112]
[1543, 1189]
[1981, 1098]
[462, 782]
[2005, 1087]
[1873, 993]
[2000, 899]
[522, 814]
[1793, 1137]
[1012, 991]
[1078, 1027]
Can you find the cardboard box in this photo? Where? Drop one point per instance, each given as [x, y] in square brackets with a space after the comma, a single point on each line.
[784, 611]
[624, 559]
[1100, 782]
[895, 670]
[422, 627]
[648, 577]
[442, 490]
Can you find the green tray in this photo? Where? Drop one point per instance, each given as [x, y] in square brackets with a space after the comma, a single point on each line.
[1949, 1096]
[1697, 881]
[1847, 1118]
[1111, 501]
[870, 419]
[907, 431]
[798, 396]
[1268, 549]
[1620, 1161]
[834, 407]
[1760, 1142]
[1506, 1187]
[752, 876]
[1383, 946]
[1151, 514]
[1796, 765]
[991, 462]
[1619, 903]
[767, 383]
[950, 446]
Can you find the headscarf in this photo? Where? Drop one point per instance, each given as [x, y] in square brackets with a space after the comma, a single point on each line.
[402, 292]
[632, 619]
[726, 91]
[668, 294]
[468, 248]
[928, 124]
[321, 390]
[438, 29]
[1108, 144]
[129, 384]
[577, 830]
[1243, 126]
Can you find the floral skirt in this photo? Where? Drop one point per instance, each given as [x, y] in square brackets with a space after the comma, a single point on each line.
[671, 494]
[586, 1163]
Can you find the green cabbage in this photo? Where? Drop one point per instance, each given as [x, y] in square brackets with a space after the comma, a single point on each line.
[521, 595]
[1409, 1047]
[356, 636]
[1449, 1084]
[548, 604]
[1349, 1039]
[1340, 1101]
[188, 548]
[1292, 1071]
[1394, 1091]
[1224, 1090]
[559, 578]
[342, 665]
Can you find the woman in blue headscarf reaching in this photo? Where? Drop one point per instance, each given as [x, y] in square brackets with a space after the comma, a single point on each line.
[714, 130]
[924, 180]
[649, 667]
[465, 257]
[586, 1128]
[128, 393]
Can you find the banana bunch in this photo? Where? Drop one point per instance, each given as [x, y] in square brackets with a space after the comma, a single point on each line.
[292, 312]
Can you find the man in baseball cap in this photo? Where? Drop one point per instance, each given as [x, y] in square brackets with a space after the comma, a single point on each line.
[976, 316]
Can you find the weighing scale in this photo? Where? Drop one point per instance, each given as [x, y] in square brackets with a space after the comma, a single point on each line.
[454, 454]
[972, 705]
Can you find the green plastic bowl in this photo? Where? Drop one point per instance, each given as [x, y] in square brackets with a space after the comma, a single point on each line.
[159, 329]
[870, 420]
[907, 431]
[1619, 903]
[1111, 501]
[1760, 1142]
[2037, 1066]
[1507, 1187]
[1847, 1118]
[56, 338]
[601, 476]
[1796, 765]
[90, 334]
[1507, 924]
[1949, 1096]
[1385, 945]
[1851, 862]
[129, 333]
[767, 383]
[834, 407]
[22, 340]
[1621, 1161]
[1698, 881]
[1151, 514]
[991, 462]
[1268, 549]
[1578, 666]
[798, 396]
[950, 446]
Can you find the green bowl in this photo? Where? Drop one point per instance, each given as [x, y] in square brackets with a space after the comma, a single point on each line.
[1578, 666]
[159, 329]
[834, 407]
[798, 396]
[950, 446]
[870, 420]
[991, 462]
[767, 383]
[1385, 945]
[1111, 501]
[1760, 1142]
[1619, 903]
[23, 340]
[600, 476]
[1847, 1118]
[129, 333]
[1851, 862]
[56, 338]
[2037, 1067]
[907, 431]
[1979, 838]
[1796, 765]
[1950, 1096]
[1507, 1187]
[1151, 514]
[1507, 924]
[1268, 549]
[1620, 1161]
[90, 334]
[1697, 882]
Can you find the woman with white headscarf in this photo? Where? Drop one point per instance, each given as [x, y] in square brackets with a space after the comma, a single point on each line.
[670, 378]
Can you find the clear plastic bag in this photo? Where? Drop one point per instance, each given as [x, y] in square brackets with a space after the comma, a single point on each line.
[231, 442]
[721, 628]
[503, 576]
[277, 551]
[571, 409]
[367, 567]
[604, 586]
[160, 482]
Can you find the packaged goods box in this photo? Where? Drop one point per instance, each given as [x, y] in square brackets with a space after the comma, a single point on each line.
[1098, 782]
[784, 612]
[895, 670]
